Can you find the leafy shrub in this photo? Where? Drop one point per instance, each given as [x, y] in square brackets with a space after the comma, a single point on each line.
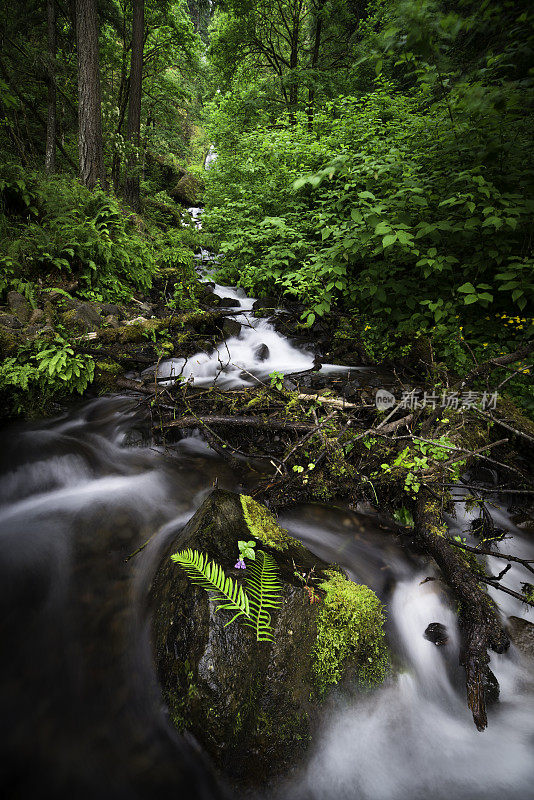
[410, 202]
[41, 369]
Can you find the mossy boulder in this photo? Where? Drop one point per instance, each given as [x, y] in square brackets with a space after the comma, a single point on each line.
[253, 705]
[19, 306]
[188, 190]
[84, 318]
[9, 340]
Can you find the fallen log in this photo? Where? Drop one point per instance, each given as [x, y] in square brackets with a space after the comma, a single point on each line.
[242, 422]
[480, 626]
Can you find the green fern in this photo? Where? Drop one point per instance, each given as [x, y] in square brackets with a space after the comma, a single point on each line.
[228, 595]
[263, 593]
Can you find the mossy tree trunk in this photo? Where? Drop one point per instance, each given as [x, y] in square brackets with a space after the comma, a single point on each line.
[90, 142]
[131, 188]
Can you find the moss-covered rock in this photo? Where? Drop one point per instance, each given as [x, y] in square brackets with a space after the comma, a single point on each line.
[350, 623]
[253, 704]
[188, 190]
[263, 525]
[19, 306]
[10, 339]
[106, 374]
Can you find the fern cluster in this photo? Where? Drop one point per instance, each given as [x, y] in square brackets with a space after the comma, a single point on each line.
[263, 589]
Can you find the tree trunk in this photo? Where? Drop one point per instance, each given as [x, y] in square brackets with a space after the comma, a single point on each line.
[315, 60]
[134, 106]
[51, 132]
[90, 143]
[293, 64]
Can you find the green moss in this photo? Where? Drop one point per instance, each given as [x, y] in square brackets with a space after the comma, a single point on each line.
[8, 341]
[263, 525]
[434, 518]
[349, 623]
[106, 374]
[68, 318]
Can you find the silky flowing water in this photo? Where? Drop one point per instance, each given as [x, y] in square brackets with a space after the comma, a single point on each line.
[80, 707]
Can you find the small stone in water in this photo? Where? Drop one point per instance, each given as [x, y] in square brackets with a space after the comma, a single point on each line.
[262, 352]
[437, 633]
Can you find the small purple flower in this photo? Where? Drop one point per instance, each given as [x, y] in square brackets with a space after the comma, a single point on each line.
[240, 564]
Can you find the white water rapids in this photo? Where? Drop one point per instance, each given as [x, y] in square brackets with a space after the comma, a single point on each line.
[79, 702]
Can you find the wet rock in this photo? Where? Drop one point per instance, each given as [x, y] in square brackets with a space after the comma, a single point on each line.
[188, 190]
[9, 340]
[145, 308]
[85, 317]
[289, 385]
[270, 303]
[110, 309]
[230, 327]
[229, 302]
[10, 321]
[111, 321]
[521, 632]
[19, 306]
[253, 704]
[262, 352]
[37, 315]
[140, 320]
[351, 390]
[437, 634]
[206, 296]
[31, 332]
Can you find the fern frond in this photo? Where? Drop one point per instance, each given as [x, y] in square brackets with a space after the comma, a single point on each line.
[228, 595]
[264, 592]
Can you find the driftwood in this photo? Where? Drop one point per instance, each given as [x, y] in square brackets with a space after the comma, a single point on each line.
[480, 626]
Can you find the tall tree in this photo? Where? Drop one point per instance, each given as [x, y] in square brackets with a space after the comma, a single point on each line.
[90, 143]
[134, 104]
[50, 152]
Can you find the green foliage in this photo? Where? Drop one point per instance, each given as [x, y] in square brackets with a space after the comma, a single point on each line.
[225, 592]
[246, 550]
[404, 517]
[277, 380]
[349, 625]
[264, 591]
[85, 235]
[41, 369]
[408, 198]
[420, 457]
[262, 595]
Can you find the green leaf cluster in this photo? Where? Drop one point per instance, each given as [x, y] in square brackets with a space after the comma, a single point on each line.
[263, 589]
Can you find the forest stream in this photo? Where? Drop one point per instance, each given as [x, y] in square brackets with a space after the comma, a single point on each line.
[82, 712]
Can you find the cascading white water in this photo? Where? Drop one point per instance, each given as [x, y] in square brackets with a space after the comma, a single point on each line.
[243, 360]
[414, 738]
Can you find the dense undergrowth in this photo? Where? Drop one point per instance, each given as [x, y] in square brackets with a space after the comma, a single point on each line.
[406, 205]
[59, 240]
